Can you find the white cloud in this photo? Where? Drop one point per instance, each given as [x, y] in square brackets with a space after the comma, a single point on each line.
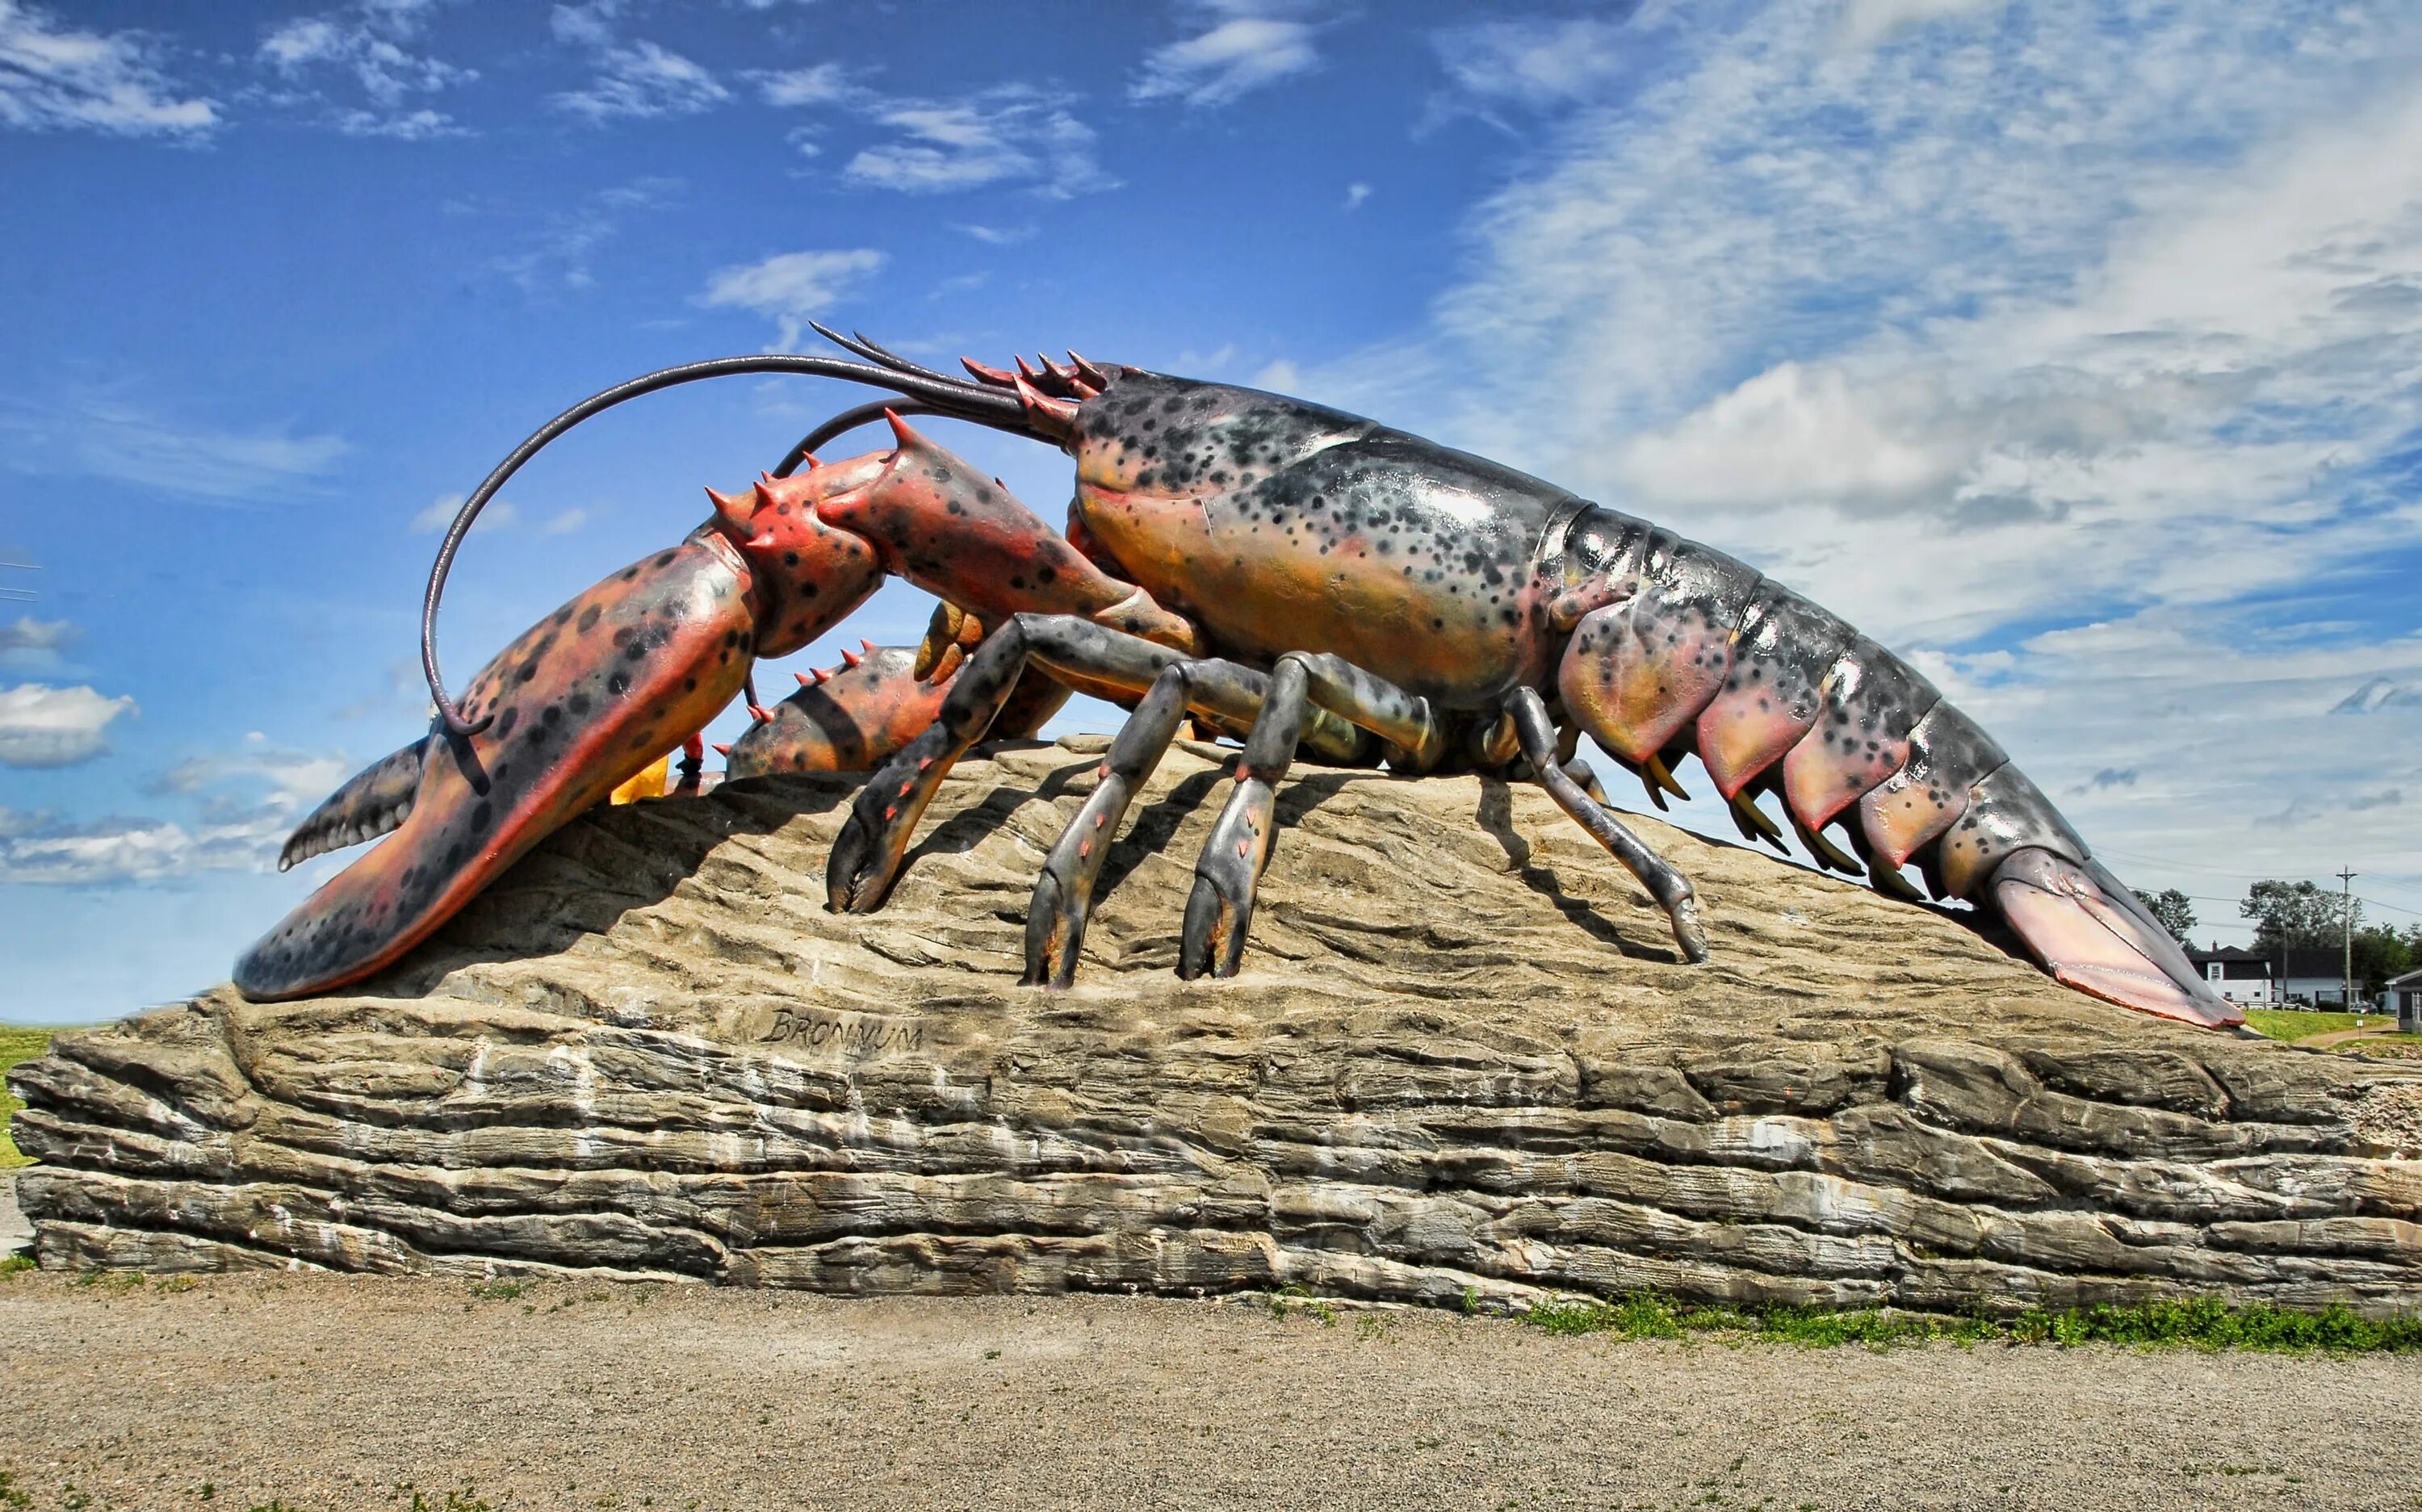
[368, 40]
[565, 523]
[560, 257]
[98, 436]
[2065, 313]
[1248, 50]
[29, 634]
[499, 514]
[823, 84]
[244, 804]
[586, 25]
[1009, 134]
[54, 79]
[2376, 694]
[44, 726]
[1355, 194]
[791, 287]
[999, 235]
[1865, 22]
[1532, 63]
[644, 80]
[1013, 133]
[404, 126]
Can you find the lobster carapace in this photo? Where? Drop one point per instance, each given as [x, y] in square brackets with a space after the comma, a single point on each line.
[1306, 580]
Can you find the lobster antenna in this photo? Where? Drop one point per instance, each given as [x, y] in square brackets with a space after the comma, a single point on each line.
[952, 396]
[858, 344]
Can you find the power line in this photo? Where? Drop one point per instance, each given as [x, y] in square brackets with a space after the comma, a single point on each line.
[2219, 870]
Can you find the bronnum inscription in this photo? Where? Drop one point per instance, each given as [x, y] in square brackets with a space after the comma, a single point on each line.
[844, 1032]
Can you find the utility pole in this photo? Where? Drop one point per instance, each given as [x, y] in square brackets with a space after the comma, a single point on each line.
[2346, 922]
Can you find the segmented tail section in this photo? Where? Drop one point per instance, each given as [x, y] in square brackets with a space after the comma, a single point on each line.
[1683, 649]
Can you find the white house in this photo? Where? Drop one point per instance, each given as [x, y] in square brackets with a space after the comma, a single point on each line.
[2242, 976]
[2317, 976]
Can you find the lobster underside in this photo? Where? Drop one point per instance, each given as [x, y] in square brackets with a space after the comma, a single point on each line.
[1307, 579]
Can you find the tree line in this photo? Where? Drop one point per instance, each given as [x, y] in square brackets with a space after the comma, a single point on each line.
[2306, 915]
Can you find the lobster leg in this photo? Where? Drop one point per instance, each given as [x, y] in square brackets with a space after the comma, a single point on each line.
[1063, 892]
[867, 855]
[1220, 912]
[1663, 880]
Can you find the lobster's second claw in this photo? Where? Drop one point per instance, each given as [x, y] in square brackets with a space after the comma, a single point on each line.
[2090, 932]
[583, 701]
[843, 721]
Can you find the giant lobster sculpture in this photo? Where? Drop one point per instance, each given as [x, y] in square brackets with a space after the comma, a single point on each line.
[1307, 581]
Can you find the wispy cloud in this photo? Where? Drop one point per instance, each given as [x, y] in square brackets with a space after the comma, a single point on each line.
[2000, 317]
[98, 437]
[29, 634]
[243, 802]
[1009, 134]
[560, 257]
[1866, 22]
[633, 80]
[1355, 194]
[790, 288]
[1000, 235]
[1247, 46]
[45, 726]
[369, 41]
[823, 84]
[1528, 64]
[498, 514]
[54, 78]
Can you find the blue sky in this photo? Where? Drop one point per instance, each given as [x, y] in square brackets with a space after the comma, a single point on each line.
[2075, 350]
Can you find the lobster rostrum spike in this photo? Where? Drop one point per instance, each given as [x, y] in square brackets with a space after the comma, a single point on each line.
[1254, 564]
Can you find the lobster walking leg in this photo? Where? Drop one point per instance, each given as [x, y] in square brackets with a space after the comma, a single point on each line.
[866, 856]
[1063, 892]
[1219, 913]
[1664, 882]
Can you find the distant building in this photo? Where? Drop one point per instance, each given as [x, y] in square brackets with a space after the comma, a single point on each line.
[2402, 996]
[2317, 976]
[2238, 975]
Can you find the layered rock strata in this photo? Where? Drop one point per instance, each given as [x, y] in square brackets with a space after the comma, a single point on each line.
[1462, 1061]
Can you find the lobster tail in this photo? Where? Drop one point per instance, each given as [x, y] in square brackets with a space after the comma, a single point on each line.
[1689, 650]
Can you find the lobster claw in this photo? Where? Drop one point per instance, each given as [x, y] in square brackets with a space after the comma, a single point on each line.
[842, 721]
[584, 700]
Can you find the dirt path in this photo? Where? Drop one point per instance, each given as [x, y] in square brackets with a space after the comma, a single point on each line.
[2342, 1036]
[325, 1392]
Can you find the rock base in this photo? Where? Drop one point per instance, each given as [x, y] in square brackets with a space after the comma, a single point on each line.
[1463, 1060]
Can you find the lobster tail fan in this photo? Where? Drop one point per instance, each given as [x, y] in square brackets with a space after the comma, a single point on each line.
[2094, 935]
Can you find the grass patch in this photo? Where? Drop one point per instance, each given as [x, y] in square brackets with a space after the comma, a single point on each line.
[16, 1044]
[2195, 1325]
[2290, 1025]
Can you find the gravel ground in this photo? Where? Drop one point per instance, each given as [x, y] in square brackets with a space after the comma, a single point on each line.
[330, 1392]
